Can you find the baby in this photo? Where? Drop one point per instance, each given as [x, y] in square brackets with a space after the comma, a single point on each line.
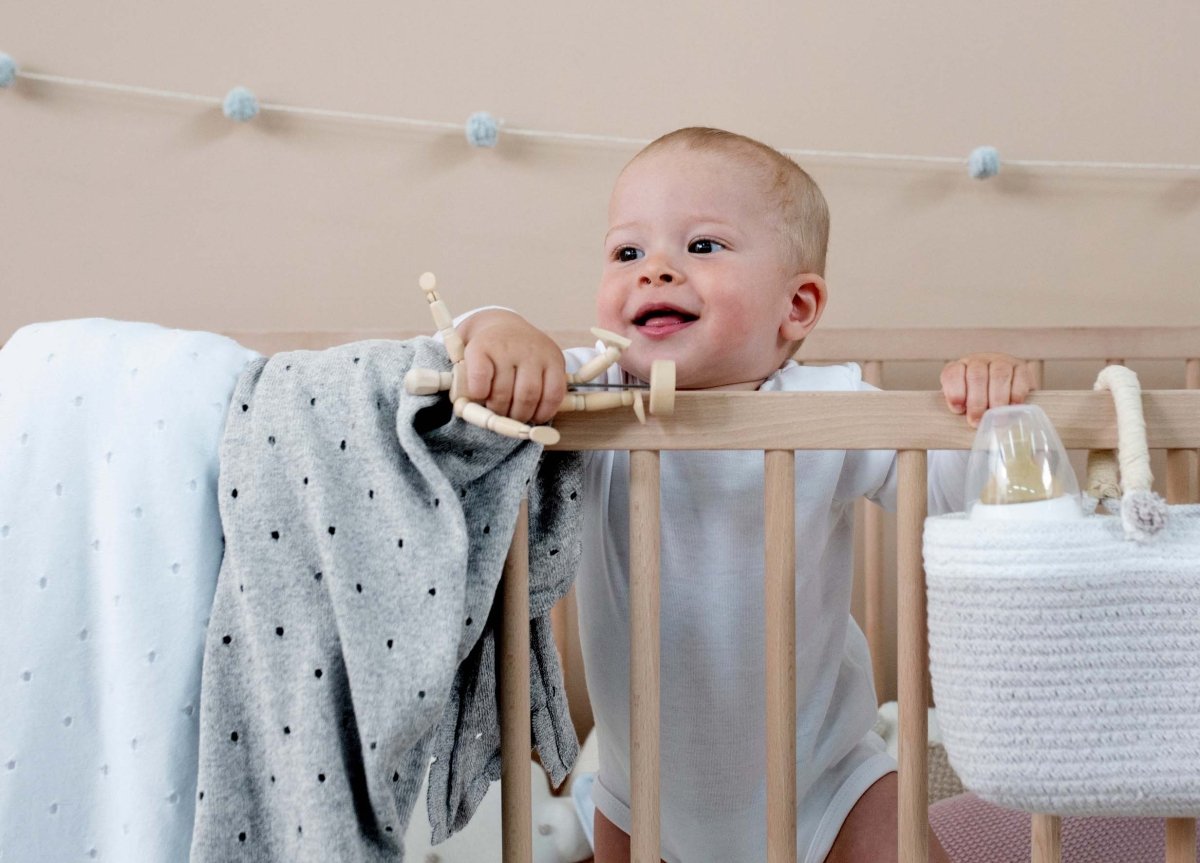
[714, 258]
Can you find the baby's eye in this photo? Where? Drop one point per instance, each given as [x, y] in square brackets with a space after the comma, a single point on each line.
[704, 247]
[627, 253]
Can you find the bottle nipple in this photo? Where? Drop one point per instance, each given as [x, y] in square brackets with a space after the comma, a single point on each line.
[1018, 477]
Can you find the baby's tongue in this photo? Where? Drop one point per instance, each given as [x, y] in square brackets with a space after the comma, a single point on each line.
[665, 319]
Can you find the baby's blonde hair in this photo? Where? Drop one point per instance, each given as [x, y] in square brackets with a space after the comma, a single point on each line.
[804, 215]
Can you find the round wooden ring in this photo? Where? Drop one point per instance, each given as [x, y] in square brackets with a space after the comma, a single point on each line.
[662, 387]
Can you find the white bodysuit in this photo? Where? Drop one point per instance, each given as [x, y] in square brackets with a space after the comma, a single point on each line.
[713, 715]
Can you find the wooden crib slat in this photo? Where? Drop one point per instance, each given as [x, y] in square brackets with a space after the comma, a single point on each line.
[1179, 463]
[912, 658]
[779, 505]
[870, 516]
[1045, 839]
[1180, 832]
[515, 794]
[874, 597]
[644, 717]
[1192, 382]
[1181, 840]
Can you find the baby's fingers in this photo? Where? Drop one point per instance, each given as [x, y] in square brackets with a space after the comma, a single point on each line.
[954, 385]
[480, 371]
[527, 392]
[1022, 383]
[978, 391]
[554, 389]
[1000, 381]
[500, 398]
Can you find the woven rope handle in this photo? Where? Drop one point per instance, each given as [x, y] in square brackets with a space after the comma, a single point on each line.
[1143, 512]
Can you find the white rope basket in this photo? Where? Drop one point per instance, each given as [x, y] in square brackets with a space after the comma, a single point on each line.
[1065, 656]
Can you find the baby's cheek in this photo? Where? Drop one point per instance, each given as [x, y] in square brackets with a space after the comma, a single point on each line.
[608, 308]
[742, 325]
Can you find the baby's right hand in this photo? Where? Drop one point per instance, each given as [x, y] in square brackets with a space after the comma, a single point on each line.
[513, 367]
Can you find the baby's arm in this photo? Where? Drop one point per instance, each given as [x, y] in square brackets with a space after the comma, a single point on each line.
[514, 366]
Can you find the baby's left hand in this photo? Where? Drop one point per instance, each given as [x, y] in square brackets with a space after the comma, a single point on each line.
[981, 381]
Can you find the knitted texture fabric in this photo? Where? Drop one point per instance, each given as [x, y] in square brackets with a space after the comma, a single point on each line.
[110, 544]
[1063, 660]
[351, 635]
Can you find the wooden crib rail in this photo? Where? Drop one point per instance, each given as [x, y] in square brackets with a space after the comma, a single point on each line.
[834, 344]
[779, 423]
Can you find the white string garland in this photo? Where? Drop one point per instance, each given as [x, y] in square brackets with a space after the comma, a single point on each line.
[482, 130]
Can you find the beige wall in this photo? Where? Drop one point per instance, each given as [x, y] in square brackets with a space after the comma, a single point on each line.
[135, 208]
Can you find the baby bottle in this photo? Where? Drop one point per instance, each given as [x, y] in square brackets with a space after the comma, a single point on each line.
[1019, 470]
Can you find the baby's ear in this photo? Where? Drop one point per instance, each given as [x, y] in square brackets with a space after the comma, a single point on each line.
[808, 294]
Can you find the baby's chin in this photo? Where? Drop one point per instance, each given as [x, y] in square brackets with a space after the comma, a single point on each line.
[687, 377]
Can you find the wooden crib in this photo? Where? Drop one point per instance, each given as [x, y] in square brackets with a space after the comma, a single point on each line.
[910, 422]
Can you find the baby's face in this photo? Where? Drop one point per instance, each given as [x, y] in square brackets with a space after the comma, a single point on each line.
[696, 269]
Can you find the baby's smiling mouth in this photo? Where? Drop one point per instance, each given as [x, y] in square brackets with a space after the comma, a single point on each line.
[662, 319]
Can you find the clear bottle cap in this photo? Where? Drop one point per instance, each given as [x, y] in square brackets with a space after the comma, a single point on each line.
[1018, 458]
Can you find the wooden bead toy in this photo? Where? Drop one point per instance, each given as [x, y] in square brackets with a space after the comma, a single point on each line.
[430, 381]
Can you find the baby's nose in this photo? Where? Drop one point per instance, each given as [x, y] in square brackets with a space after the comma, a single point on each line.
[656, 276]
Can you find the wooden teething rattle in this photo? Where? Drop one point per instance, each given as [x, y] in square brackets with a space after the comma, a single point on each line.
[429, 381]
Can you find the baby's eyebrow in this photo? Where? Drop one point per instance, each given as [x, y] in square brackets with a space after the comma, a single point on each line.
[620, 227]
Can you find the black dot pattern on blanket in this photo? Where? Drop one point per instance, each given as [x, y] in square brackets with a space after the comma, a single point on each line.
[356, 625]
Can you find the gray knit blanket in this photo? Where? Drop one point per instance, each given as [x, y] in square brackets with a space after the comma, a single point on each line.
[351, 643]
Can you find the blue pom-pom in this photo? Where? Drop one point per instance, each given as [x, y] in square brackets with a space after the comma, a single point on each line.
[8, 70]
[240, 105]
[482, 130]
[984, 163]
